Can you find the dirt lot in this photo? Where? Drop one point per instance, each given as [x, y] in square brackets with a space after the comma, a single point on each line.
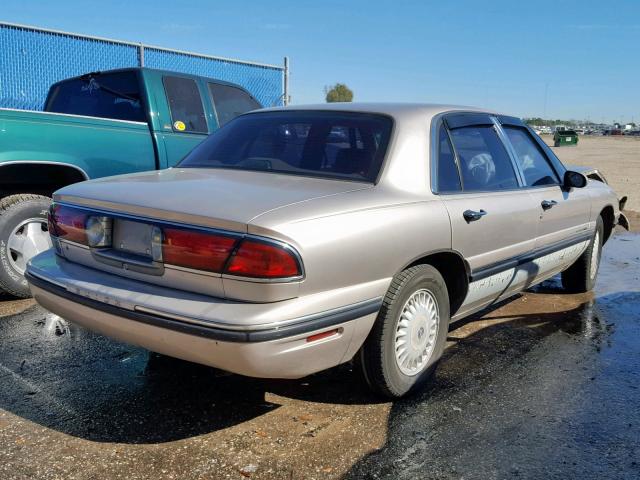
[618, 158]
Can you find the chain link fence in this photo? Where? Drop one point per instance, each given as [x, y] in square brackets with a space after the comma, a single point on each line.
[31, 59]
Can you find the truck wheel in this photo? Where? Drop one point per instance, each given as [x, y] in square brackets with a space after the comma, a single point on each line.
[23, 234]
[581, 276]
[408, 337]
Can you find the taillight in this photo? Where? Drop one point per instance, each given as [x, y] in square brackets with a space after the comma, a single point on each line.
[192, 249]
[211, 252]
[263, 260]
[230, 254]
[68, 223]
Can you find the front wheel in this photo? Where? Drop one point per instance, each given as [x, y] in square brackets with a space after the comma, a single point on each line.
[23, 234]
[408, 337]
[581, 276]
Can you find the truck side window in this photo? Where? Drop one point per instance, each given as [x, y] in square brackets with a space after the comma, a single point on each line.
[229, 102]
[447, 170]
[103, 95]
[187, 112]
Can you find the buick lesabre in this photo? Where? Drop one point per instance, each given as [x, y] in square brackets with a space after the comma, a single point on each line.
[296, 239]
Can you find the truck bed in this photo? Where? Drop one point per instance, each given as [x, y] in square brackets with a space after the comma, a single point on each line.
[97, 146]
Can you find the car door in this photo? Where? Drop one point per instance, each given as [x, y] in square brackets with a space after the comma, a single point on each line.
[564, 215]
[493, 220]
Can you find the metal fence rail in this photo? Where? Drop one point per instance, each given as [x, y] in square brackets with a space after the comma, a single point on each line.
[32, 58]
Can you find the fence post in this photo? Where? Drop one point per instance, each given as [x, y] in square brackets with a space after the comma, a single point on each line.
[141, 54]
[287, 99]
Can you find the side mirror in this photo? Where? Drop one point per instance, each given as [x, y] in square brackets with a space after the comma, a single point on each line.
[574, 180]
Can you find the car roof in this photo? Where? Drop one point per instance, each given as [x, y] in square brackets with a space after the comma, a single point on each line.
[395, 109]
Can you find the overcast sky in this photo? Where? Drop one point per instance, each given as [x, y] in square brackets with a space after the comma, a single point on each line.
[499, 54]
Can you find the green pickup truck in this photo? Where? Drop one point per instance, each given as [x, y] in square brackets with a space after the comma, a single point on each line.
[96, 125]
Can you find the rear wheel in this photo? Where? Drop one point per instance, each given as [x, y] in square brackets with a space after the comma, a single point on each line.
[408, 337]
[23, 234]
[581, 276]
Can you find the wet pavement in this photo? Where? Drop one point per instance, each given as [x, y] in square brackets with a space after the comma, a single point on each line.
[545, 385]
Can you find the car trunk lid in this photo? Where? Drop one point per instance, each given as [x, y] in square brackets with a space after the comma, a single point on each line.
[217, 198]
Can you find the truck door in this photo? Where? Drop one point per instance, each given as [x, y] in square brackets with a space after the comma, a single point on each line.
[188, 121]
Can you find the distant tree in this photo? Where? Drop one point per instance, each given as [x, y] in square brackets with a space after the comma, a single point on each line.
[338, 93]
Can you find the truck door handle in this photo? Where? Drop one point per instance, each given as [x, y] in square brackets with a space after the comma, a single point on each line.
[547, 204]
[472, 215]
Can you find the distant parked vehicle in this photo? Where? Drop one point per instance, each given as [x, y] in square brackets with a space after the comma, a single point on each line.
[613, 132]
[296, 239]
[95, 125]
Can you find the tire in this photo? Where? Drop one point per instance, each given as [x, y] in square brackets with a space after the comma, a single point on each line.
[381, 368]
[17, 212]
[581, 276]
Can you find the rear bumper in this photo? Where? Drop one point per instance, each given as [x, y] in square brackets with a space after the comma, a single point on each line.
[279, 351]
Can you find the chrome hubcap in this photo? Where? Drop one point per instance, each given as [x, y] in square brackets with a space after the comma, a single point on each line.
[416, 332]
[595, 255]
[27, 240]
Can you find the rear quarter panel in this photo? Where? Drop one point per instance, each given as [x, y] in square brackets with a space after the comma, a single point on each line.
[358, 238]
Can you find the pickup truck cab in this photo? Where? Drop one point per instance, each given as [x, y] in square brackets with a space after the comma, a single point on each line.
[96, 125]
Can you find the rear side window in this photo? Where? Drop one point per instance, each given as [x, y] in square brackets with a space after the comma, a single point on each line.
[447, 170]
[185, 103]
[230, 102]
[343, 145]
[107, 95]
[484, 162]
[533, 163]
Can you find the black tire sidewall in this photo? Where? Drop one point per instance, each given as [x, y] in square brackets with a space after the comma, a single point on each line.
[426, 278]
[10, 279]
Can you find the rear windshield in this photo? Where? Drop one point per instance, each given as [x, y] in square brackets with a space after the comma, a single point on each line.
[107, 95]
[312, 143]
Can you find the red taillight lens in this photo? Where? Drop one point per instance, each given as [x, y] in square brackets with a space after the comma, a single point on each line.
[263, 260]
[68, 223]
[192, 249]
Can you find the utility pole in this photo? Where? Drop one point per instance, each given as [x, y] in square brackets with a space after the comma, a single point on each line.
[546, 92]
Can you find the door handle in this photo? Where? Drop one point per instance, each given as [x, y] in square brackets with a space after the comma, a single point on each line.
[472, 215]
[547, 204]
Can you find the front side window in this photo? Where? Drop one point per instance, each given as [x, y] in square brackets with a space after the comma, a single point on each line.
[343, 145]
[484, 162]
[185, 103]
[530, 158]
[447, 170]
[105, 95]
[230, 102]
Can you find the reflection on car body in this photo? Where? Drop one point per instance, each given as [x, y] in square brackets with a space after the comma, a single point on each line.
[295, 239]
